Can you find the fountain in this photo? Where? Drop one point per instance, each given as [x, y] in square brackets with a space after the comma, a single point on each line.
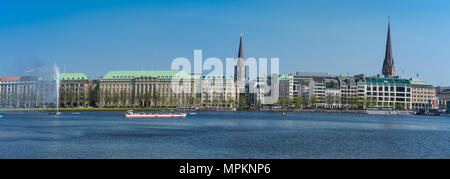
[58, 82]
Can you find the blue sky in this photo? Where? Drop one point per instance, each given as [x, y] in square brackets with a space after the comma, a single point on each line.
[339, 37]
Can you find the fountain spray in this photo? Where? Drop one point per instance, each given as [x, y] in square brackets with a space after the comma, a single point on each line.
[58, 82]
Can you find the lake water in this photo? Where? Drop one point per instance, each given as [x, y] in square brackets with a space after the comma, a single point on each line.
[223, 135]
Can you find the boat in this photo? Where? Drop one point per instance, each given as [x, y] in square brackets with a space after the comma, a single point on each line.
[76, 113]
[388, 112]
[192, 113]
[54, 113]
[131, 114]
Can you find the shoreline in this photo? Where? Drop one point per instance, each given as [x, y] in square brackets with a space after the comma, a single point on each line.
[168, 109]
[85, 109]
[340, 111]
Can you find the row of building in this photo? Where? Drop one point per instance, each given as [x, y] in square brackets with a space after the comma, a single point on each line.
[158, 88]
[362, 91]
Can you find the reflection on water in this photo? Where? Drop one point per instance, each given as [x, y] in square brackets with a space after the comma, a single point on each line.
[223, 135]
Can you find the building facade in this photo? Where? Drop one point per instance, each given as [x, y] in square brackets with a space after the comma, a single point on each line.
[423, 95]
[286, 87]
[332, 98]
[349, 91]
[149, 88]
[379, 92]
[218, 91]
[75, 90]
[443, 94]
[27, 92]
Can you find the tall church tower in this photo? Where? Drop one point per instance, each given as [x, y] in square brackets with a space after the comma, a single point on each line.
[240, 66]
[388, 64]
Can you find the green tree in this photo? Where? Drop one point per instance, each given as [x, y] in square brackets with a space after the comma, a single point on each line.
[298, 101]
[305, 101]
[123, 97]
[242, 101]
[206, 101]
[62, 97]
[156, 98]
[314, 101]
[94, 96]
[232, 102]
[147, 99]
[198, 101]
[71, 97]
[400, 105]
[215, 102]
[329, 100]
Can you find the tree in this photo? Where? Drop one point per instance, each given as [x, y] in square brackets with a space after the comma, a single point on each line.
[115, 99]
[305, 101]
[94, 96]
[62, 96]
[206, 101]
[314, 101]
[173, 101]
[360, 103]
[298, 101]
[282, 101]
[106, 98]
[71, 97]
[147, 99]
[197, 101]
[232, 102]
[190, 100]
[215, 102]
[163, 100]
[242, 101]
[123, 97]
[156, 97]
[329, 100]
[289, 101]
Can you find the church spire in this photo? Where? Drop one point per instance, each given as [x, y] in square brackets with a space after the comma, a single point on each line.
[388, 64]
[241, 50]
[240, 66]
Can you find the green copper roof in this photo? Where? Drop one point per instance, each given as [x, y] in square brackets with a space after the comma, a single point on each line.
[73, 76]
[420, 83]
[127, 75]
[284, 77]
[377, 80]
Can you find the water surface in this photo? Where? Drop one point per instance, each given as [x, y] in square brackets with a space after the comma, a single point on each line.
[223, 135]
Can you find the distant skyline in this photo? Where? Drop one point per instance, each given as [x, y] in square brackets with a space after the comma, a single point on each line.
[338, 37]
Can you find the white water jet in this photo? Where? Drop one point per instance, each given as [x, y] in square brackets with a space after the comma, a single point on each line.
[58, 82]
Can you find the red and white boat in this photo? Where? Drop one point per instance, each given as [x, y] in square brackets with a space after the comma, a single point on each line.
[131, 114]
